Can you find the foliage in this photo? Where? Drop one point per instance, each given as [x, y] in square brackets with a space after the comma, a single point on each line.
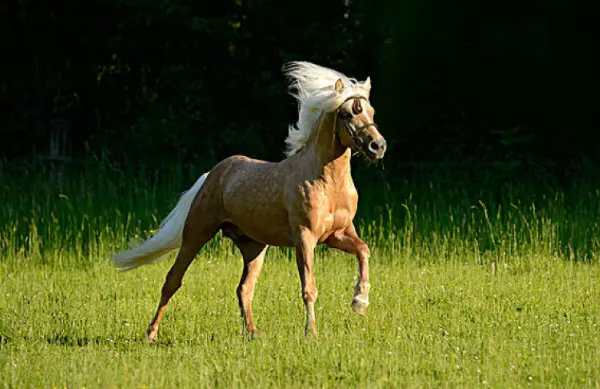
[154, 81]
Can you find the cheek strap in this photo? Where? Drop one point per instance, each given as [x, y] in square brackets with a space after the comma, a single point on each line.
[354, 133]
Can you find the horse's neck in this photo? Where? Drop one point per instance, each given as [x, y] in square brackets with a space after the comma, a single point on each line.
[330, 159]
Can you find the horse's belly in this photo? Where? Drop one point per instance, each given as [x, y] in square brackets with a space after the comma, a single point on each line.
[272, 234]
[263, 221]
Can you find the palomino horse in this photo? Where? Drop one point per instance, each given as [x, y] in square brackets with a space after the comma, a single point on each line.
[304, 200]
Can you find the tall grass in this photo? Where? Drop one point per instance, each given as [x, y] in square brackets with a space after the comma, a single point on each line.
[60, 214]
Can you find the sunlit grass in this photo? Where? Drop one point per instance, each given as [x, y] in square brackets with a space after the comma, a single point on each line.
[475, 284]
[436, 325]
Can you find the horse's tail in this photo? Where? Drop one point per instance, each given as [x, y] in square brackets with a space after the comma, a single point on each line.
[166, 239]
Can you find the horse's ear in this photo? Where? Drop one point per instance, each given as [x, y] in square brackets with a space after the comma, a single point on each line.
[339, 85]
[367, 84]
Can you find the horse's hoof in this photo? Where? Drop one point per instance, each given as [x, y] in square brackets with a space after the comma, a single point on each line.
[360, 306]
[311, 333]
[255, 335]
[152, 334]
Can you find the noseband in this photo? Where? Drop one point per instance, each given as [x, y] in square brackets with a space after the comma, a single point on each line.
[354, 133]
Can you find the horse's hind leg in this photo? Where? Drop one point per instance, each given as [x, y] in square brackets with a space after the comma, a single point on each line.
[254, 256]
[192, 243]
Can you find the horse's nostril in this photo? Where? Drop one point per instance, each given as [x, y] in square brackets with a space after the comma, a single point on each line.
[373, 146]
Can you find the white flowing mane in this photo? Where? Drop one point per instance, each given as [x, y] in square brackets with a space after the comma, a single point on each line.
[314, 88]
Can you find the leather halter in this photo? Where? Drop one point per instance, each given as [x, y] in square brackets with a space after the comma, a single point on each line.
[354, 133]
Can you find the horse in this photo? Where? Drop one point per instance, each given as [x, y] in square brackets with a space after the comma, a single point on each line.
[306, 199]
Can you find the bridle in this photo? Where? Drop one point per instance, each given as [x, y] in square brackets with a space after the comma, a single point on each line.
[354, 133]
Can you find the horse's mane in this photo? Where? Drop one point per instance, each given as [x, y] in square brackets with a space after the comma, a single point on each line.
[314, 88]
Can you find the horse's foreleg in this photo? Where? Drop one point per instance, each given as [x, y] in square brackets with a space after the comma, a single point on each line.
[254, 256]
[348, 241]
[305, 247]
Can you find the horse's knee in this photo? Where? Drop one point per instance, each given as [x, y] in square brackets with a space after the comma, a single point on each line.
[363, 251]
[310, 294]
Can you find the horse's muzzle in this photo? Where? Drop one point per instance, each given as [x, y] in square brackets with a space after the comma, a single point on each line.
[375, 149]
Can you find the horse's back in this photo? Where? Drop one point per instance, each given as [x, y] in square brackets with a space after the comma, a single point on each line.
[241, 174]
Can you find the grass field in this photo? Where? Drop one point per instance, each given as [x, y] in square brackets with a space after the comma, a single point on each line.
[477, 282]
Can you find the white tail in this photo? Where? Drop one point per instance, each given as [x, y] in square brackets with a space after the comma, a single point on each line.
[166, 239]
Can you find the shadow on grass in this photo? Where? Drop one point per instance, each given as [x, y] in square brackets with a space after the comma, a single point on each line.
[119, 342]
[77, 341]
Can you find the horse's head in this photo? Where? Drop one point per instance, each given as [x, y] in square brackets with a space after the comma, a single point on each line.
[355, 126]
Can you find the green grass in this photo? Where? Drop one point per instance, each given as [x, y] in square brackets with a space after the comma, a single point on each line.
[476, 283]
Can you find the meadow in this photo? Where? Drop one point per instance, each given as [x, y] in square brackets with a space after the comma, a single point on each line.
[479, 280]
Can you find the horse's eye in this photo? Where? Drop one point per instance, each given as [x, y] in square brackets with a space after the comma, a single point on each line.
[346, 115]
[357, 107]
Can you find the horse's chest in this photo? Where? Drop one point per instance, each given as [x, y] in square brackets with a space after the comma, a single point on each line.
[338, 214]
[328, 209]
[340, 219]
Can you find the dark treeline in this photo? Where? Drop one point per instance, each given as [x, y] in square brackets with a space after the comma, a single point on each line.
[154, 80]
